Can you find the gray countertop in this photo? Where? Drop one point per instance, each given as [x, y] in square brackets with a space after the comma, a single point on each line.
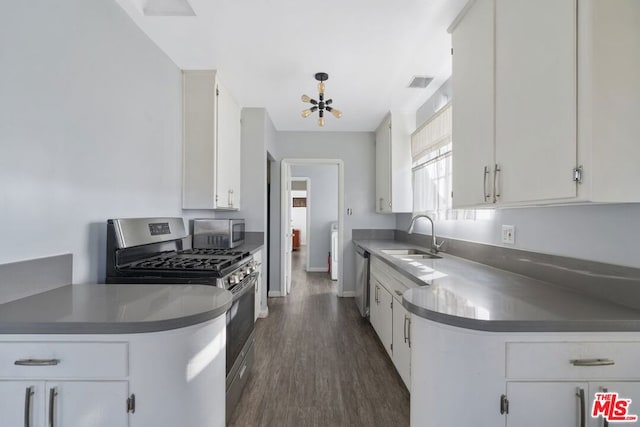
[113, 309]
[463, 293]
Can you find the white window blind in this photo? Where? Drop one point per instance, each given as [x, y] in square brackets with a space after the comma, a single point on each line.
[431, 150]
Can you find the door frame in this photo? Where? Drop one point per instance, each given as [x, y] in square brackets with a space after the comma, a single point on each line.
[285, 188]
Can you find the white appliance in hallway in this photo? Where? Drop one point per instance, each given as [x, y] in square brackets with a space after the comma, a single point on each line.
[334, 251]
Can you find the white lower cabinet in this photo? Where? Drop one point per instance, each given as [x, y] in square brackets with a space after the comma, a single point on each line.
[518, 379]
[160, 379]
[64, 403]
[390, 320]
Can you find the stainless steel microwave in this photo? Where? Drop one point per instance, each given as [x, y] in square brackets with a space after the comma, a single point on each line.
[218, 233]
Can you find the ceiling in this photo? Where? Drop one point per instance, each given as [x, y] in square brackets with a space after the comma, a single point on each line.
[267, 52]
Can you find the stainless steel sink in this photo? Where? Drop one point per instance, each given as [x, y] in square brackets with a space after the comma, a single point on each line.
[410, 253]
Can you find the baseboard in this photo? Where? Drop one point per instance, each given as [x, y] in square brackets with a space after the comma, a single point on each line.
[348, 294]
[275, 294]
[317, 269]
[263, 313]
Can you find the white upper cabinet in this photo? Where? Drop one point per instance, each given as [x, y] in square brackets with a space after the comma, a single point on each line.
[393, 164]
[544, 102]
[211, 169]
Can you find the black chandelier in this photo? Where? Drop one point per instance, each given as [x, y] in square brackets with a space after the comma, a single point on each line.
[320, 105]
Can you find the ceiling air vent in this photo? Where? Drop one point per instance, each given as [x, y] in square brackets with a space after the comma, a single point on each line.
[420, 82]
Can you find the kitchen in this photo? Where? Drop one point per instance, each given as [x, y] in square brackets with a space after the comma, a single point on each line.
[91, 129]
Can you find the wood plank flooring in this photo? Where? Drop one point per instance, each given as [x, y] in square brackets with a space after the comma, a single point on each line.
[318, 363]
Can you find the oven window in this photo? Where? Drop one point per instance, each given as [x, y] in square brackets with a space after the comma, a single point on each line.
[239, 324]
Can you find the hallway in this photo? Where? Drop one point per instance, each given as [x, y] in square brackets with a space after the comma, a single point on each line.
[319, 364]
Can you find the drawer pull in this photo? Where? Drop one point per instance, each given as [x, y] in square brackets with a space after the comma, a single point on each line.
[37, 362]
[592, 362]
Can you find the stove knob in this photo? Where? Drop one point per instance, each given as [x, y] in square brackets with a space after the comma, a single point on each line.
[234, 279]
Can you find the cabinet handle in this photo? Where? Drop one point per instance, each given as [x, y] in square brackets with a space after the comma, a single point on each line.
[605, 423]
[496, 193]
[592, 362]
[27, 406]
[484, 185]
[230, 198]
[407, 326]
[37, 362]
[580, 395]
[376, 295]
[52, 401]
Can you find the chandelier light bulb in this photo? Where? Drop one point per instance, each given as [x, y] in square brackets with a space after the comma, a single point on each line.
[306, 98]
[336, 113]
[321, 121]
[321, 87]
[306, 113]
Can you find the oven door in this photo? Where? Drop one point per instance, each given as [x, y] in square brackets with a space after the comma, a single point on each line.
[240, 320]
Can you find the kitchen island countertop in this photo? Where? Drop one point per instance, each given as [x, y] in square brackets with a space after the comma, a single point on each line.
[467, 294]
[113, 309]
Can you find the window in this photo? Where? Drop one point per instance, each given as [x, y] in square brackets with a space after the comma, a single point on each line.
[431, 149]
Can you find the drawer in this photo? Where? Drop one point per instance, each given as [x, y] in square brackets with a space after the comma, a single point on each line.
[553, 360]
[74, 359]
[391, 279]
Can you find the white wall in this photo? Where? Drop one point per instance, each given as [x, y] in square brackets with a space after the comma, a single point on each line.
[90, 128]
[357, 151]
[605, 233]
[299, 217]
[323, 205]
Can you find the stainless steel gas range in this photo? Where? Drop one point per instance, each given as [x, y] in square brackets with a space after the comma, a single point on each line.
[159, 251]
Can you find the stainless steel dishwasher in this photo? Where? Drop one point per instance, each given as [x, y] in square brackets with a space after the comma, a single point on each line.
[362, 281]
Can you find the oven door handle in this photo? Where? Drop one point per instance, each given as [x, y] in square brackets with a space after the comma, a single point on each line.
[245, 286]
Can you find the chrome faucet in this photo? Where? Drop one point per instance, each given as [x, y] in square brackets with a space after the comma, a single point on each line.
[435, 247]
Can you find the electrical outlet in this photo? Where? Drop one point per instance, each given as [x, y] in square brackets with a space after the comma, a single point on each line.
[508, 234]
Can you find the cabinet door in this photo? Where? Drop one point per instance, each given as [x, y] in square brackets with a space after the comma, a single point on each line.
[536, 145]
[381, 314]
[87, 403]
[402, 342]
[473, 102]
[199, 153]
[625, 390]
[228, 148]
[383, 167]
[21, 403]
[549, 404]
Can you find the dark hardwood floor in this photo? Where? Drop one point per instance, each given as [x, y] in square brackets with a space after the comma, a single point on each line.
[319, 364]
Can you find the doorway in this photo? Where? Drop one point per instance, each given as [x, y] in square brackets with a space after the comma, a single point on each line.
[301, 215]
[313, 253]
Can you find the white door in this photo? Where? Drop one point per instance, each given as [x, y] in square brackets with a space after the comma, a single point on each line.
[549, 404]
[473, 114]
[228, 149]
[383, 167]
[401, 342]
[87, 403]
[536, 144]
[21, 403]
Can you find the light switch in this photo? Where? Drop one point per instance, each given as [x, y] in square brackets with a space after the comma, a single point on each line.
[508, 234]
